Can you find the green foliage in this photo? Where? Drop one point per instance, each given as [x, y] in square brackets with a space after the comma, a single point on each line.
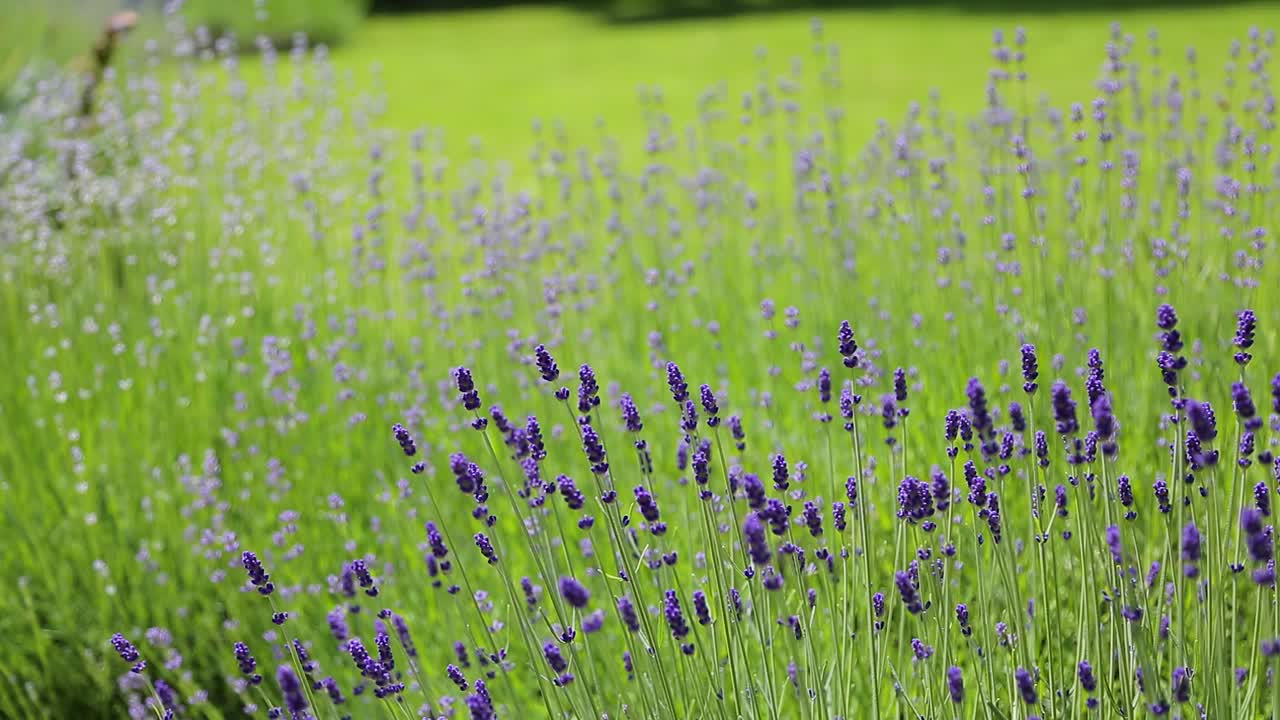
[142, 305]
[39, 36]
[327, 21]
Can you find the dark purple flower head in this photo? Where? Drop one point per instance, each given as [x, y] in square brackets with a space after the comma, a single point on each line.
[993, 516]
[824, 386]
[630, 415]
[1084, 671]
[337, 620]
[812, 517]
[291, 690]
[777, 514]
[480, 707]
[593, 448]
[1161, 490]
[1203, 422]
[955, 684]
[674, 616]
[739, 435]
[467, 389]
[627, 611]
[838, 518]
[900, 385]
[976, 483]
[486, 548]
[689, 417]
[128, 653]
[754, 490]
[647, 505]
[1030, 369]
[1181, 685]
[554, 658]
[1257, 537]
[848, 347]
[781, 473]
[1104, 423]
[248, 665]
[1242, 403]
[753, 535]
[907, 589]
[402, 632]
[951, 425]
[920, 650]
[1026, 685]
[569, 491]
[1246, 325]
[361, 572]
[980, 416]
[257, 574]
[675, 381]
[573, 592]
[1166, 318]
[939, 488]
[962, 619]
[709, 405]
[547, 367]
[1064, 409]
[1016, 418]
[404, 439]
[915, 501]
[889, 416]
[700, 609]
[1093, 383]
[469, 476]
[588, 390]
[1190, 549]
[1113, 544]
[169, 700]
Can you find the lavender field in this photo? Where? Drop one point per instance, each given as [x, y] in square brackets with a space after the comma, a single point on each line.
[742, 403]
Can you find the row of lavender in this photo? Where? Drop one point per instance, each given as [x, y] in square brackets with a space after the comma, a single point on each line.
[786, 607]
[217, 309]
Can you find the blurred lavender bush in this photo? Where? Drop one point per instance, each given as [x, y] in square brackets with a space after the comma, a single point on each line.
[36, 38]
[742, 417]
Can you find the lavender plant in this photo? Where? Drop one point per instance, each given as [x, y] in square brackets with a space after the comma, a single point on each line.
[970, 421]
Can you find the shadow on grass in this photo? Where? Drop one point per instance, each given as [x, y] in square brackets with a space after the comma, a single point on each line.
[656, 11]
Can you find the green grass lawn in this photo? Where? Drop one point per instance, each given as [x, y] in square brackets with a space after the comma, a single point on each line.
[194, 366]
[488, 74]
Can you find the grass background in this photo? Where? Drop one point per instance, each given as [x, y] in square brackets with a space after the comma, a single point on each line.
[485, 75]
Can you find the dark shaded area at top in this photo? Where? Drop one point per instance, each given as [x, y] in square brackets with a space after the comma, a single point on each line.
[660, 10]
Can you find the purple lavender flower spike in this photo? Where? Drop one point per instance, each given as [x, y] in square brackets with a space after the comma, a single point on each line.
[291, 690]
[1030, 369]
[467, 389]
[128, 653]
[547, 367]
[1064, 409]
[630, 415]
[847, 345]
[675, 381]
[588, 390]
[1246, 326]
[955, 684]
[573, 592]
[1026, 686]
[257, 574]
[675, 620]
